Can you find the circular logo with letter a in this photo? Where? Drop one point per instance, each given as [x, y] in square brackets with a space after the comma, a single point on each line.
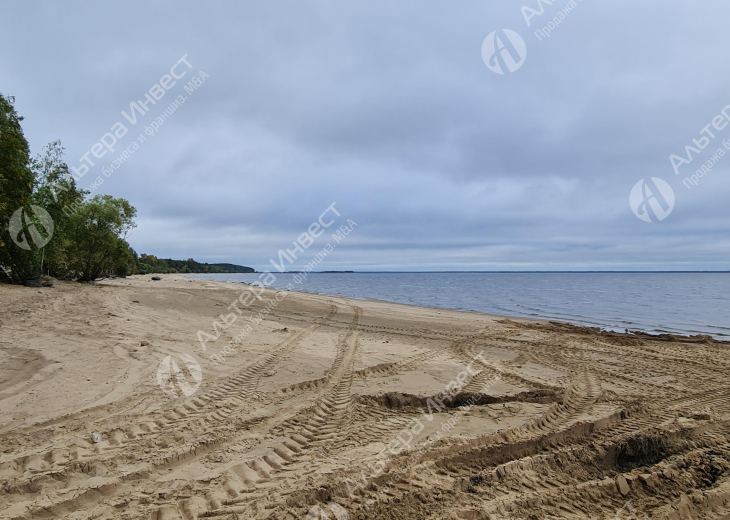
[320, 511]
[504, 50]
[652, 199]
[36, 225]
[170, 376]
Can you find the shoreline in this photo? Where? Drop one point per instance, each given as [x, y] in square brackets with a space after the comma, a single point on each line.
[718, 338]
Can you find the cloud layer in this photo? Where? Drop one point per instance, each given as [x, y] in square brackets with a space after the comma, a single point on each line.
[389, 111]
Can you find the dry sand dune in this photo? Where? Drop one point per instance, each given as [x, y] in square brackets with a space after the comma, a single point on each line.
[347, 409]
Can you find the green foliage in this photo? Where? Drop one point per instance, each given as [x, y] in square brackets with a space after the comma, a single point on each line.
[149, 264]
[125, 260]
[16, 189]
[88, 235]
[96, 232]
[57, 193]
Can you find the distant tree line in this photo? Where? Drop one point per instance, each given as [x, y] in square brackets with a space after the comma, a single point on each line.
[48, 226]
[147, 264]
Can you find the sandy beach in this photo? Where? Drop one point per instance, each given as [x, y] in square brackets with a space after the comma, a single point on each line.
[338, 408]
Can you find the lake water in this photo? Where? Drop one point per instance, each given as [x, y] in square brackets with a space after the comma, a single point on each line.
[682, 303]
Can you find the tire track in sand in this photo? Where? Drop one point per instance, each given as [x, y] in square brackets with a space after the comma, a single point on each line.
[202, 412]
[245, 484]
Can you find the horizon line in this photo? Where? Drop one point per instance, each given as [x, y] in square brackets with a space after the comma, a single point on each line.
[505, 272]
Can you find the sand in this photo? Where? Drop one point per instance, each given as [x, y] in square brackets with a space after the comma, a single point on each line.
[338, 408]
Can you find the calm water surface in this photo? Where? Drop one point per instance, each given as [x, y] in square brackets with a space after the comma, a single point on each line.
[683, 303]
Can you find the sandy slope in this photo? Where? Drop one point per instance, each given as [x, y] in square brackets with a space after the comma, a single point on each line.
[316, 402]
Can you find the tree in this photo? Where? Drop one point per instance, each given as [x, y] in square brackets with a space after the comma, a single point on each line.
[57, 193]
[16, 188]
[96, 232]
[125, 259]
[46, 225]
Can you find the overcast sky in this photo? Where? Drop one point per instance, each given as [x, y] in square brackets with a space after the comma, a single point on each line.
[387, 109]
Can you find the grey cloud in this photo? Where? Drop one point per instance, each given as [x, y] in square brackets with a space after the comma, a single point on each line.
[388, 109]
